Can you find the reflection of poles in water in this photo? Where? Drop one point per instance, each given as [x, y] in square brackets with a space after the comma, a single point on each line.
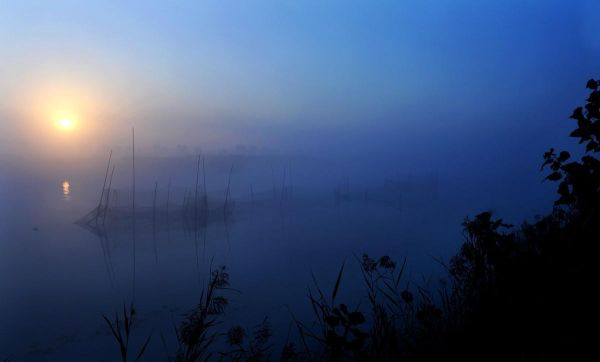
[226, 224]
[204, 196]
[154, 203]
[184, 205]
[196, 247]
[204, 176]
[283, 216]
[197, 257]
[196, 193]
[168, 199]
[108, 195]
[399, 205]
[226, 205]
[291, 182]
[133, 207]
[283, 189]
[115, 198]
[204, 231]
[105, 245]
[273, 181]
[168, 220]
[154, 243]
[154, 223]
[195, 221]
[103, 188]
[133, 172]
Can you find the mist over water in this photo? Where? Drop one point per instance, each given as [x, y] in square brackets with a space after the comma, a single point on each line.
[292, 216]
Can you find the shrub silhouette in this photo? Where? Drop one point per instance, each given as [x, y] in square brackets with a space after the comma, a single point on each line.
[580, 180]
[522, 291]
[515, 293]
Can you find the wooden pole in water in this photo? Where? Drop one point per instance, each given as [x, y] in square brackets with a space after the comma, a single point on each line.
[168, 197]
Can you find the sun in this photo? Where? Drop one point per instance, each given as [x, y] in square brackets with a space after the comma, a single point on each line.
[65, 123]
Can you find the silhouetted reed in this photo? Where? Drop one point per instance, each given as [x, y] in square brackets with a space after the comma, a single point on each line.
[197, 333]
[122, 329]
[253, 348]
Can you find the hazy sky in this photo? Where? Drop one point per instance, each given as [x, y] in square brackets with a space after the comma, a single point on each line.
[364, 76]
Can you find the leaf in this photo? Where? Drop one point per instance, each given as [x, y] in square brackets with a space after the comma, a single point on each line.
[591, 146]
[592, 84]
[577, 113]
[317, 285]
[333, 321]
[337, 283]
[572, 167]
[563, 189]
[564, 155]
[548, 158]
[555, 166]
[554, 176]
[576, 133]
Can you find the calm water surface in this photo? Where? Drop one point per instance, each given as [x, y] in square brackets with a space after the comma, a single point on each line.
[57, 278]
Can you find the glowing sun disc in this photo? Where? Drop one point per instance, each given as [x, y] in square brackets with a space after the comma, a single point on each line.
[65, 123]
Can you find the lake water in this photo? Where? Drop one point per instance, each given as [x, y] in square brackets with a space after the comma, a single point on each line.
[57, 278]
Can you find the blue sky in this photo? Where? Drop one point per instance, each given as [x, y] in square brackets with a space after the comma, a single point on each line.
[297, 75]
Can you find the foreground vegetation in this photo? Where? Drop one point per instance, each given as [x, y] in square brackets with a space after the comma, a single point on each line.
[513, 292]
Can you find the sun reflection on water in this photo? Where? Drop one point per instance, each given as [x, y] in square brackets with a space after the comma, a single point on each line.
[66, 188]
